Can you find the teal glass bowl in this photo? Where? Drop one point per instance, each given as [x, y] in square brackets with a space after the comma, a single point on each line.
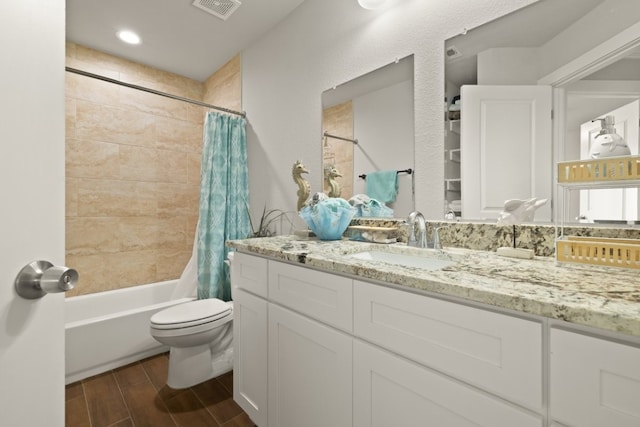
[328, 219]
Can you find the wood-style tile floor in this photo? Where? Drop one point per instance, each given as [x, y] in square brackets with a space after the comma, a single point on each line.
[136, 395]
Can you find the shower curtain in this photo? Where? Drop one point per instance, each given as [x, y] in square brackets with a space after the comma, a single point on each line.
[224, 198]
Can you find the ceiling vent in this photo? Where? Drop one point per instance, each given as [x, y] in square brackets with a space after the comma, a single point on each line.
[452, 52]
[220, 8]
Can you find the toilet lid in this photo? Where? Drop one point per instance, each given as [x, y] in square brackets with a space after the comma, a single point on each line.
[192, 313]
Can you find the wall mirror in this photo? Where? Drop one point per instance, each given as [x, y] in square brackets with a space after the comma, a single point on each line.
[367, 126]
[584, 69]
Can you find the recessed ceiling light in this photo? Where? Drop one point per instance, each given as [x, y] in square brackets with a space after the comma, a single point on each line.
[128, 37]
[371, 4]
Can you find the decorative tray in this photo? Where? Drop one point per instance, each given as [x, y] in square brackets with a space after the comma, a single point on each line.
[365, 233]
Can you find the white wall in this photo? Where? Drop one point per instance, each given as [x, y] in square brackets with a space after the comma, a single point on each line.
[508, 66]
[383, 124]
[32, 213]
[324, 43]
[605, 21]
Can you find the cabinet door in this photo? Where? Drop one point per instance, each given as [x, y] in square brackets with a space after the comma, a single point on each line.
[505, 148]
[250, 355]
[310, 375]
[249, 272]
[594, 382]
[321, 296]
[391, 391]
[492, 351]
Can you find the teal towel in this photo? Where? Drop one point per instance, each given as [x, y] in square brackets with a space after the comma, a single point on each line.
[382, 185]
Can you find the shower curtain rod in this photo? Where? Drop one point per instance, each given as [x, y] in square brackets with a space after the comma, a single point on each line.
[153, 91]
[328, 135]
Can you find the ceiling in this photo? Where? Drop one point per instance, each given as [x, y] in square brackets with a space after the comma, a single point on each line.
[176, 35]
[531, 26]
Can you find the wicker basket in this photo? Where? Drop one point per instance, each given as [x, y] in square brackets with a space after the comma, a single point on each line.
[623, 253]
[607, 170]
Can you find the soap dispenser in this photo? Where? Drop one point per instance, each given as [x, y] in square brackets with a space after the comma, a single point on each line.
[608, 143]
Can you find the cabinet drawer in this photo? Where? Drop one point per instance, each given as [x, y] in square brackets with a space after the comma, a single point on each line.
[249, 273]
[391, 391]
[322, 296]
[594, 382]
[495, 352]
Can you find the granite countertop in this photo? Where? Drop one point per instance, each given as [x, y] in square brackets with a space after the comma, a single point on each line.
[600, 297]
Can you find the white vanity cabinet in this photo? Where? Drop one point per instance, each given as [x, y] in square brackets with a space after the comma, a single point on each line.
[318, 349]
[461, 353]
[594, 382]
[310, 361]
[310, 370]
[249, 281]
[292, 366]
[392, 391]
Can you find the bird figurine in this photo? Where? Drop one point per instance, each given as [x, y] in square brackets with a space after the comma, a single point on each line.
[517, 211]
[304, 189]
[330, 175]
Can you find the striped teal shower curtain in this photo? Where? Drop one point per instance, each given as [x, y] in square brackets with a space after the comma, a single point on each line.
[224, 197]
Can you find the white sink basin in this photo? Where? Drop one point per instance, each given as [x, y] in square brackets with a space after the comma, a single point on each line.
[405, 260]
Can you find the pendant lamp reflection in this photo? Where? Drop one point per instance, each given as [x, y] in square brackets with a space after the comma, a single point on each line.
[371, 4]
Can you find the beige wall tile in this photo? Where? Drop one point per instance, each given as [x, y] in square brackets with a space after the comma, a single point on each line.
[108, 124]
[89, 89]
[192, 227]
[142, 75]
[338, 120]
[70, 117]
[71, 197]
[88, 236]
[138, 163]
[92, 159]
[177, 200]
[172, 166]
[193, 168]
[171, 263]
[172, 234]
[99, 198]
[178, 135]
[151, 103]
[224, 87]
[133, 169]
[195, 114]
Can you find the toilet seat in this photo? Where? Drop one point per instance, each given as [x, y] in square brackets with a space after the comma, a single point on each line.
[210, 312]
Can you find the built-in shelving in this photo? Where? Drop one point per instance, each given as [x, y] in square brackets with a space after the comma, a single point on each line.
[452, 184]
[453, 155]
[454, 126]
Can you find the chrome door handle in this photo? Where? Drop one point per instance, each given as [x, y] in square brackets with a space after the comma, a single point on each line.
[39, 278]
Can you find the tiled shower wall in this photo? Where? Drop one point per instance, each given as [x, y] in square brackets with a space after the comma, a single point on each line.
[338, 120]
[132, 169]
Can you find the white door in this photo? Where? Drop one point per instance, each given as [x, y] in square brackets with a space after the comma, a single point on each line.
[31, 209]
[506, 148]
[612, 204]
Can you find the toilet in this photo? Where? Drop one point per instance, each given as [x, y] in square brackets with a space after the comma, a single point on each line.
[199, 334]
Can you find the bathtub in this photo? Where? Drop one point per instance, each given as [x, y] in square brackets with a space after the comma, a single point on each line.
[110, 329]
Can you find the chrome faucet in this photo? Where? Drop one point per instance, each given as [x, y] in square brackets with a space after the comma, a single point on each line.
[419, 240]
[436, 237]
